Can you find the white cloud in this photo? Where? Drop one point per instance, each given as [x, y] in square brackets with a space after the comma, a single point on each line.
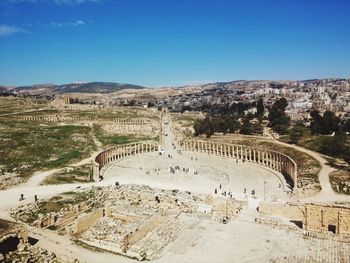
[7, 30]
[75, 24]
[78, 23]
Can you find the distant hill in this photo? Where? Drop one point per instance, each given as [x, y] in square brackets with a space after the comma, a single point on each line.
[3, 89]
[89, 87]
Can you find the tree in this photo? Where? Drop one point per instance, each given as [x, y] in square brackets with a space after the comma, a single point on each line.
[247, 127]
[330, 123]
[278, 118]
[260, 109]
[316, 120]
[150, 104]
[257, 128]
[346, 126]
[204, 127]
[326, 124]
[249, 116]
[224, 123]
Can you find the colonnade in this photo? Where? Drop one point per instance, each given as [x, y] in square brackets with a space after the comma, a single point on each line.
[113, 154]
[132, 129]
[268, 158]
[136, 121]
[55, 118]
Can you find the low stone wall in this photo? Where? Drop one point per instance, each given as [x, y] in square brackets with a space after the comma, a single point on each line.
[142, 229]
[84, 222]
[271, 159]
[113, 154]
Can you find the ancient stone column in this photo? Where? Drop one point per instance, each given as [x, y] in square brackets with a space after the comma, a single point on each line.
[96, 171]
[263, 157]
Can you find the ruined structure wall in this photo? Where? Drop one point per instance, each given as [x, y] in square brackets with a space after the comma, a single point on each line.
[315, 217]
[113, 154]
[291, 211]
[327, 218]
[86, 221]
[271, 159]
[144, 229]
[344, 222]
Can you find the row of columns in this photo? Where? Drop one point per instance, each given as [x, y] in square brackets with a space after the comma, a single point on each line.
[130, 121]
[56, 118]
[113, 154]
[274, 160]
[133, 129]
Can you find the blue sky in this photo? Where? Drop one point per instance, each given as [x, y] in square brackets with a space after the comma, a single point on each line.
[172, 42]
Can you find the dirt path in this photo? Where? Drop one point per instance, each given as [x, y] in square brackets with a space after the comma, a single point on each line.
[38, 177]
[327, 193]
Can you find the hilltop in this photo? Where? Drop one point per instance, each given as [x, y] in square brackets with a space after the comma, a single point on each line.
[86, 87]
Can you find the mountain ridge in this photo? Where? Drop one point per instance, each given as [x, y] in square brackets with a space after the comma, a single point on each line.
[84, 87]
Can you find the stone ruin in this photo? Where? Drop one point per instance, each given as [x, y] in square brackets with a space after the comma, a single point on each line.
[10, 229]
[135, 221]
[56, 118]
[135, 126]
[318, 219]
[63, 219]
[14, 245]
[65, 103]
[139, 221]
[31, 254]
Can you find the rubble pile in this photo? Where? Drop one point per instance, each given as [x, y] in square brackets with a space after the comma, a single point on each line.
[31, 254]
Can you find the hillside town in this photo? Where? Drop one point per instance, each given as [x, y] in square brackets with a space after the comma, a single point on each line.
[303, 96]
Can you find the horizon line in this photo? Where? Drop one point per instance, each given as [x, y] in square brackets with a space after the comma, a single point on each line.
[184, 84]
